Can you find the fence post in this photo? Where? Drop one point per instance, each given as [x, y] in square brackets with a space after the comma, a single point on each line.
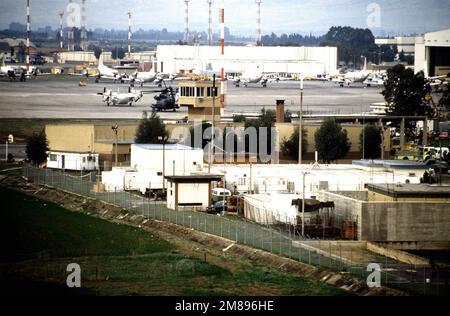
[237, 231]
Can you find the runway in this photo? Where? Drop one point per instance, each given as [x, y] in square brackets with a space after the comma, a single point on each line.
[60, 97]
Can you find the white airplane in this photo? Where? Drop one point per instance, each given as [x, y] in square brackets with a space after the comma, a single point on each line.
[117, 98]
[251, 78]
[353, 76]
[106, 72]
[6, 70]
[141, 77]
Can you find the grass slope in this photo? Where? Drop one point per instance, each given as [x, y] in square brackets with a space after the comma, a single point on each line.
[41, 238]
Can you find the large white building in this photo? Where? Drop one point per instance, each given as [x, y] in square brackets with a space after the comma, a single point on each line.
[432, 53]
[309, 61]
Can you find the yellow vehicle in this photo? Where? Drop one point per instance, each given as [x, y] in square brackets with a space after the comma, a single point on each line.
[408, 155]
[82, 84]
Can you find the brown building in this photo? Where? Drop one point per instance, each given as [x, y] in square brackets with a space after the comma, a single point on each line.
[93, 138]
[198, 97]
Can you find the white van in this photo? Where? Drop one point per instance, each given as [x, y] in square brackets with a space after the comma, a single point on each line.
[220, 193]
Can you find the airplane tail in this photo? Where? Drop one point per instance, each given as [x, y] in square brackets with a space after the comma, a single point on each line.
[100, 60]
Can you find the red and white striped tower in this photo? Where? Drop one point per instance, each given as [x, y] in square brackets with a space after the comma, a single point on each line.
[258, 22]
[83, 34]
[222, 48]
[61, 32]
[27, 58]
[210, 22]
[129, 35]
[186, 22]
[70, 37]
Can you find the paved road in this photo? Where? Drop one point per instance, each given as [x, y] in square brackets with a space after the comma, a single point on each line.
[61, 97]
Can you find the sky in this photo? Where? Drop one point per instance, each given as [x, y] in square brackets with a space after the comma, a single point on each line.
[396, 17]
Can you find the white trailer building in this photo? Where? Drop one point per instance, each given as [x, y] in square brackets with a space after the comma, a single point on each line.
[150, 163]
[309, 61]
[72, 161]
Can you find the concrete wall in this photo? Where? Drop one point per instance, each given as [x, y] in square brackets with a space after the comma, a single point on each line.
[406, 221]
[345, 207]
[395, 221]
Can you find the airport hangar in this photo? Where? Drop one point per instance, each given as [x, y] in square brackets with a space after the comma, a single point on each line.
[309, 61]
[432, 51]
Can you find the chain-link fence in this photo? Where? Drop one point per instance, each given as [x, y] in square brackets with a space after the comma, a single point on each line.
[284, 240]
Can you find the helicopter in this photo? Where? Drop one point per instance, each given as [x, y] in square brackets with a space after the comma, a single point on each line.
[166, 100]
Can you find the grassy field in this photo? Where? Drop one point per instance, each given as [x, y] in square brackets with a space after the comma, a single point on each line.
[41, 238]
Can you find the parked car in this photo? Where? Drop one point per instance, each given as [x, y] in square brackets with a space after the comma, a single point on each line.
[220, 206]
[437, 166]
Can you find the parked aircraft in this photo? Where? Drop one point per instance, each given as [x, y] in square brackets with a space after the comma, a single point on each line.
[118, 98]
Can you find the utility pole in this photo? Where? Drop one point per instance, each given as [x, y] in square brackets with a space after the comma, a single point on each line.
[164, 139]
[115, 128]
[209, 22]
[300, 128]
[303, 203]
[211, 147]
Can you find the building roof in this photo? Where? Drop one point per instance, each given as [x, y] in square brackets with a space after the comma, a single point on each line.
[119, 141]
[391, 164]
[412, 190]
[195, 178]
[165, 147]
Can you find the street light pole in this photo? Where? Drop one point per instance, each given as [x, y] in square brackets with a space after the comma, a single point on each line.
[211, 147]
[164, 139]
[300, 128]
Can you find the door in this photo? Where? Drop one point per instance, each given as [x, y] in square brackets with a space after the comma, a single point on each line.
[63, 162]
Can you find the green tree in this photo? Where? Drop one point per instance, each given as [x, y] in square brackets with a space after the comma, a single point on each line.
[289, 147]
[405, 92]
[117, 53]
[331, 141]
[96, 49]
[352, 43]
[371, 143]
[150, 129]
[37, 148]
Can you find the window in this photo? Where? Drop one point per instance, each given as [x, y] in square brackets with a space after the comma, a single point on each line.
[200, 92]
[159, 173]
[53, 157]
[84, 159]
[209, 92]
[194, 163]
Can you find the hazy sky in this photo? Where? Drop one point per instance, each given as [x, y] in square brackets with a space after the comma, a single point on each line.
[301, 16]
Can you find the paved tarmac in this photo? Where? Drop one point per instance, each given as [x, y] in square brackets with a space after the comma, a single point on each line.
[60, 97]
